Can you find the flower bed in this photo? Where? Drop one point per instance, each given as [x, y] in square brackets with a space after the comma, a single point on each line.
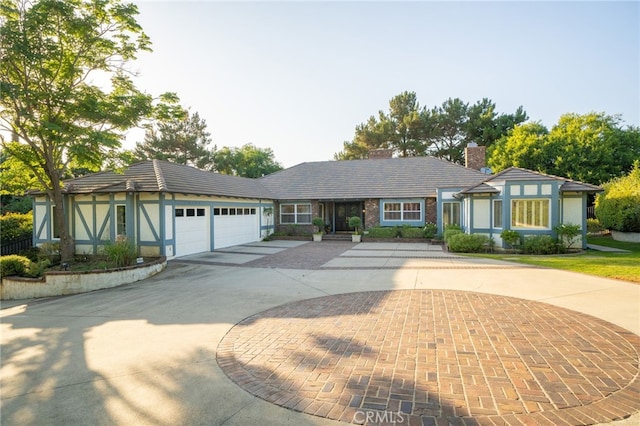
[58, 283]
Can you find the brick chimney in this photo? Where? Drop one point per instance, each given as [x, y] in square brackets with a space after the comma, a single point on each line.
[380, 153]
[474, 156]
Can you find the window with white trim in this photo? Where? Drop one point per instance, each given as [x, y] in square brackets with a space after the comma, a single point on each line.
[295, 213]
[497, 213]
[527, 213]
[451, 213]
[402, 211]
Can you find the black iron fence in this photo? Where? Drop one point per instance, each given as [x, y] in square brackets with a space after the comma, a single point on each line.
[17, 246]
[591, 212]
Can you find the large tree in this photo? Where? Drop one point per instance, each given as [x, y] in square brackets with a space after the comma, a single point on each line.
[66, 91]
[401, 129]
[246, 161]
[449, 136]
[485, 126]
[442, 131]
[182, 140]
[592, 148]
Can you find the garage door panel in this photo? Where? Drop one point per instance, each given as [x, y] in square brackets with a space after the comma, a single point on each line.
[192, 231]
[231, 230]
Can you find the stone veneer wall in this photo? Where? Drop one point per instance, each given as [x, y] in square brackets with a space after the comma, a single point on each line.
[431, 210]
[371, 213]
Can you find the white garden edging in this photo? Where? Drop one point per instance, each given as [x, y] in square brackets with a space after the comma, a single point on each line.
[58, 283]
[628, 237]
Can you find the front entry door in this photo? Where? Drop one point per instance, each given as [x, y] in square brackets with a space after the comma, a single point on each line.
[343, 212]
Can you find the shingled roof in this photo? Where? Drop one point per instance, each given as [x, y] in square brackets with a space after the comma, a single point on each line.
[523, 175]
[359, 179]
[162, 176]
[324, 180]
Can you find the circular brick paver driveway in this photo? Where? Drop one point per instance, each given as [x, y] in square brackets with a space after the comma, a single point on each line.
[436, 357]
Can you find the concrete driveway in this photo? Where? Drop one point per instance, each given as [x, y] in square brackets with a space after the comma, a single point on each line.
[145, 353]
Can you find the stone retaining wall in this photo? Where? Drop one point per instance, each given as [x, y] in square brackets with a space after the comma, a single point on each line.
[58, 283]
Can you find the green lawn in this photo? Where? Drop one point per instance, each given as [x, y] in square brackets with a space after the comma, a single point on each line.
[621, 266]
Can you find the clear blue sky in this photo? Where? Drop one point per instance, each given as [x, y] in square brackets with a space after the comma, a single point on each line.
[297, 77]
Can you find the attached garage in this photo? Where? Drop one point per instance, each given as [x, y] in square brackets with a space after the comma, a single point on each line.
[234, 226]
[192, 230]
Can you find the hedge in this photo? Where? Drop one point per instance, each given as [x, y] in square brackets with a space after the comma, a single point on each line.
[15, 226]
[618, 207]
[540, 244]
[466, 243]
[14, 265]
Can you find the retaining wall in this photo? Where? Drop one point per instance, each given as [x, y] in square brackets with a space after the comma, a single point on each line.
[58, 283]
[629, 237]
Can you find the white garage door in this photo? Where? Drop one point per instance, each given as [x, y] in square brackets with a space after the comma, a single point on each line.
[192, 230]
[234, 225]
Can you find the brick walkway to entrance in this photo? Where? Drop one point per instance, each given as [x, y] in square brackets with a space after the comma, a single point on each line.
[436, 357]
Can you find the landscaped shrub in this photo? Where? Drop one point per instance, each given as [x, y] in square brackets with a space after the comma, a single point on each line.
[449, 232]
[618, 207]
[50, 252]
[37, 269]
[430, 230]
[594, 226]
[411, 232]
[122, 252]
[467, 243]
[15, 226]
[381, 232]
[33, 253]
[512, 238]
[318, 222]
[568, 234]
[13, 265]
[356, 223]
[540, 244]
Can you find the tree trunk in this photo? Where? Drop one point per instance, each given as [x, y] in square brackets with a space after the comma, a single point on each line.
[67, 246]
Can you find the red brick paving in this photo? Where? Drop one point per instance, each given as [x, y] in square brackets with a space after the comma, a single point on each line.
[436, 357]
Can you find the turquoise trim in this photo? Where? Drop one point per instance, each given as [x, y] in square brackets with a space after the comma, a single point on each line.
[144, 212]
[163, 222]
[45, 221]
[33, 221]
[129, 214]
[440, 200]
[112, 213]
[83, 222]
[212, 227]
[94, 212]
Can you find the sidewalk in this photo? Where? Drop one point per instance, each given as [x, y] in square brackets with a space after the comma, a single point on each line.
[605, 248]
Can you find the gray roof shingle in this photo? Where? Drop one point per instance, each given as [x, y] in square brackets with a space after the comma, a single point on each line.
[378, 178]
[162, 176]
[324, 180]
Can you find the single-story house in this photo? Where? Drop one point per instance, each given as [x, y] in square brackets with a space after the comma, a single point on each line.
[175, 210]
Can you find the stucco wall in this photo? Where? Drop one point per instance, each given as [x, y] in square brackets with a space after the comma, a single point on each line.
[60, 283]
